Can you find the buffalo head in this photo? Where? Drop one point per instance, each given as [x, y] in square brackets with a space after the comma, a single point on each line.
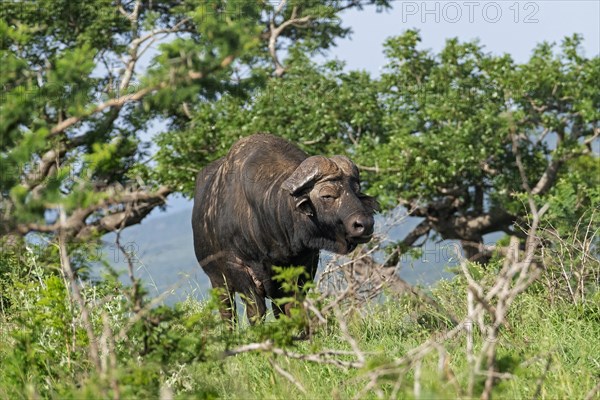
[327, 190]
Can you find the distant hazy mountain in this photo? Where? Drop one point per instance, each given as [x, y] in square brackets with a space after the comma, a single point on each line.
[165, 257]
[164, 254]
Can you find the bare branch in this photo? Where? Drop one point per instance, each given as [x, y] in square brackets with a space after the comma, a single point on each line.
[134, 15]
[136, 297]
[268, 347]
[134, 19]
[287, 375]
[129, 98]
[344, 328]
[275, 31]
[65, 263]
[420, 230]
[142, 203]
[135, 55]
[224, 63]
[519, 161]
[38, 173]
[595, 136]
[548, 178]
[165, 31]
[377, 169]
[116, 102]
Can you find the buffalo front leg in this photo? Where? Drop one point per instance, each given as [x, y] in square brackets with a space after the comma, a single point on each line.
[251, 291]
[256, 307]
[297, 293]
[225, 296]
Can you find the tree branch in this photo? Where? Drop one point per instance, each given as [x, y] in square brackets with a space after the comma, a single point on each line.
[121, 101]
[135, 45]
[275, 31]
[548, 178]
[76, 224]
[268, 347]
[116, 102]
[378, 170]
[75, 290]
[130, 65]
[134, 15]
[224, 64]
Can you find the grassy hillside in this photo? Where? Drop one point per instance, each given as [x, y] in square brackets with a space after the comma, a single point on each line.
[552, 352]
[549, 349]
[526, 325]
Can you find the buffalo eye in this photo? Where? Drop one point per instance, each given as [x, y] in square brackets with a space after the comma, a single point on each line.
[328, 193]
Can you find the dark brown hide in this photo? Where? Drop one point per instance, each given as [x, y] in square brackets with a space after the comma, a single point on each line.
[267, 203]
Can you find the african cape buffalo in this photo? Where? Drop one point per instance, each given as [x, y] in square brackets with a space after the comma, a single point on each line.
[267, 203]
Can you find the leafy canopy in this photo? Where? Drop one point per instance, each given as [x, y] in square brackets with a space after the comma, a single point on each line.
[83, 81]
[436, 133]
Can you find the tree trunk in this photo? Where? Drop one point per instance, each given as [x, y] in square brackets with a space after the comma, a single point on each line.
[473, 251]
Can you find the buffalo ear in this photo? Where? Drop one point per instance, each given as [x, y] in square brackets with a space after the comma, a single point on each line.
[303, 205]
[307, 173]
[370, 202]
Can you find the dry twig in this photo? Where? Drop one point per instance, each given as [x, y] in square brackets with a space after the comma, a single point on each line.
[67, 270]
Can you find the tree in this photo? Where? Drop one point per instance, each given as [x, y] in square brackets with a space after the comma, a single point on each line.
[82, 81]
[436, 133]
[470, 115]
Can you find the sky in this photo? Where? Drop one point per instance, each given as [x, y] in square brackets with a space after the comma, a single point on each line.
[513, 27]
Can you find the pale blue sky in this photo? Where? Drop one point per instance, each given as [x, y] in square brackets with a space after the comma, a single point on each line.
[518, 27]
[496, 23]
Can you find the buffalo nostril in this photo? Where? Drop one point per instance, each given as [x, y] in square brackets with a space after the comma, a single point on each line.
[358, 227]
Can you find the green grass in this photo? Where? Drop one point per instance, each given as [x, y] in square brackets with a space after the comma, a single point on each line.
[539, 331]
[549, 348]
